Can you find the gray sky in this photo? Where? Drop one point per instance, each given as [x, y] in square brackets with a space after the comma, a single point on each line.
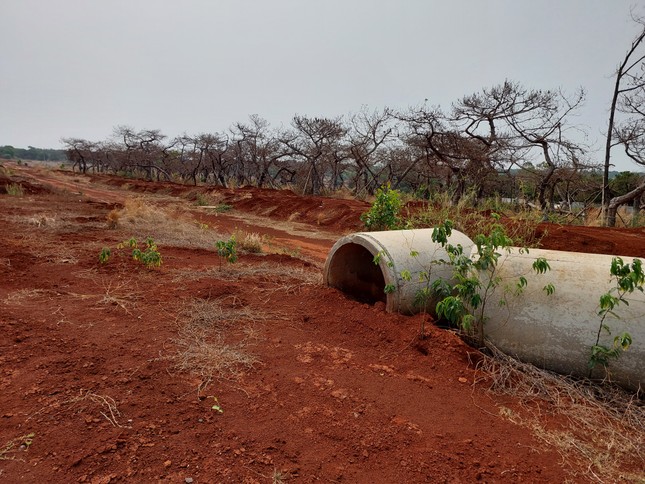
[80, 67]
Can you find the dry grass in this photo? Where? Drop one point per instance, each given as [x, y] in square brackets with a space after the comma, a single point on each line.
[105, 405]
[624, 218]
[250, 242]
[42, 221]
[342, 193]
[16, 444]
[19, 296]
[118, 294]
[85, 400]
[174, 227]
[602, 428]
[280, 276]
[520, 225]
[15, 190]
[213, 339]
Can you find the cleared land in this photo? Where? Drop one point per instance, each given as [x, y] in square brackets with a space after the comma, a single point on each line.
[253, 371]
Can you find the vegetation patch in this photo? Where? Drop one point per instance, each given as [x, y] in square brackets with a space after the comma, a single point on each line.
[214, 339]
[15, 190]
[602, 431]
[171, 227]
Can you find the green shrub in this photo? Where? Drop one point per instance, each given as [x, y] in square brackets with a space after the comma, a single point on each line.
[464, 303]
[385, 212]
[627, 279]
[226, 250]
[149, 256]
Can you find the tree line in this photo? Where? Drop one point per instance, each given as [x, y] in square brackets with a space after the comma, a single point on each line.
[8, 152]
[506, 140]
[476, 146]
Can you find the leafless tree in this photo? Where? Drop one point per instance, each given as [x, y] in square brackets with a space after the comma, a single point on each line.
[369, 133]
[510, 123]
[256, 151]
[627, 97]
[444, 155]
[318, 145]
[81, 152]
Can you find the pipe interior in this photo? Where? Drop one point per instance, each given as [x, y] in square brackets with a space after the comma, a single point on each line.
[352, 271]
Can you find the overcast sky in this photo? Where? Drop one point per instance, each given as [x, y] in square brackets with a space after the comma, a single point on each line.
[77, 68]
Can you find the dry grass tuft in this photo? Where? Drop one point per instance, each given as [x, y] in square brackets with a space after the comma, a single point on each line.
[42, 221]
[602, 429]
[521, 226]
[86, 400]
[167, 227]
[213, 339]
[15, 190]
[118, 294]
[106, 405]
[250, 242]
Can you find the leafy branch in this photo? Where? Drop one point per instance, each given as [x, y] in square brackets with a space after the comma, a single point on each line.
[627, 279]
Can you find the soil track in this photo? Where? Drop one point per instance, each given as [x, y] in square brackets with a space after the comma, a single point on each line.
[91, 355]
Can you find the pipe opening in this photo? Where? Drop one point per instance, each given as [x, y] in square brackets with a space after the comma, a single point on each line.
[352, 271]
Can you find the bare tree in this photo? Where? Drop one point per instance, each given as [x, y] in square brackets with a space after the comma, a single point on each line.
[318, 144]
[368, 135]
[510, 123]
[629, 84]
[81, 152]
[257, 151]
[444, 155]
[631, 135]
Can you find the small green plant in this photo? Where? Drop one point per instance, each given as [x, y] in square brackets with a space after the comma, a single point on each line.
[15, 190]
[464, 303]
[216, 405]
[385, 212]
[223, 207]
[150, 256]
[226, 250]
[104, 255]
[202, 200]
[627, 279]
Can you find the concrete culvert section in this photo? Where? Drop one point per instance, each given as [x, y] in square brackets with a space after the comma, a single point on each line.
[557, 331]
[350, 265]
[551, 331]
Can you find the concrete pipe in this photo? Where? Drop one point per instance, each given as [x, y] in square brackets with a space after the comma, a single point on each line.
[350, 265]
[551, 331]
[557, 331]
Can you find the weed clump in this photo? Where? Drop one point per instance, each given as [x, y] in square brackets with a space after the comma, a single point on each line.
[15, 190]
[149, 256]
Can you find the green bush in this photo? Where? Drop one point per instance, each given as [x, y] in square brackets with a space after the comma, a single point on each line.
[385, 212]
[227, 250]
[627, 279]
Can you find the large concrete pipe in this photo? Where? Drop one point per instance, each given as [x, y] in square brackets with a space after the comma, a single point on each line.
[551, 331]
[557, 331]
[350, 265]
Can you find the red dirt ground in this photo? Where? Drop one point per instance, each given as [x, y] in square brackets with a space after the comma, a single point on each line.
[88, 353]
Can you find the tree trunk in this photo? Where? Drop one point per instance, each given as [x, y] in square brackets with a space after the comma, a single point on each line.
[616, 202]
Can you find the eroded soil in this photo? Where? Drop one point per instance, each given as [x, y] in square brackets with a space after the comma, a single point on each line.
[92, 387]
